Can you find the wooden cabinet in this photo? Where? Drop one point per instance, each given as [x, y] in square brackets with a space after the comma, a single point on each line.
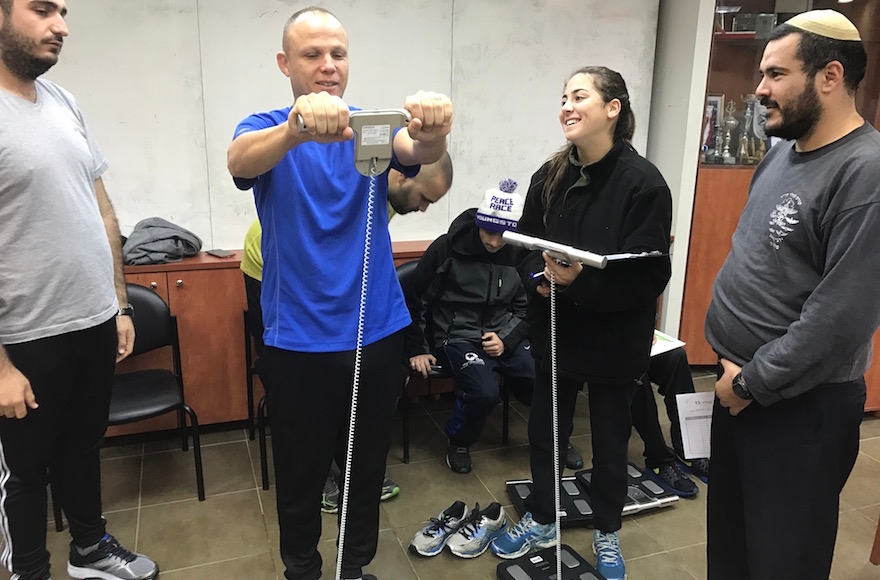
[207, 296]
[720, 198]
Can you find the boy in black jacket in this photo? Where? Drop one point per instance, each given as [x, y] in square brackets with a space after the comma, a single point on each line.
[467, 297]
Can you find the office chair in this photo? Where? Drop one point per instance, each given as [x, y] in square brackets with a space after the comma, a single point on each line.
[143, 394]
[439, 379]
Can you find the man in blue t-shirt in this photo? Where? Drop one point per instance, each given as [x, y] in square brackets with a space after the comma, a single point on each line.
[313, 206]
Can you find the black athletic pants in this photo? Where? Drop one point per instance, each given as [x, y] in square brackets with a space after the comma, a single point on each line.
[71, 376]
[309, 396]
[610, 426]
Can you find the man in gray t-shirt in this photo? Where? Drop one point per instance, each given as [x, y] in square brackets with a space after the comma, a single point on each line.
[793, 311]
[63, 306]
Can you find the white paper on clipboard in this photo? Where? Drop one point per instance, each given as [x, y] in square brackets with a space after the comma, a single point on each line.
[664, 343]
[695, 418]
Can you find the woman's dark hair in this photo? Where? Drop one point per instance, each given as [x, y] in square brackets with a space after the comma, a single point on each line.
[611, 86]
[817, 51]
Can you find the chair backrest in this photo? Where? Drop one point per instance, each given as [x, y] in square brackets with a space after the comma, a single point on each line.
[405, 275]
[154, 327]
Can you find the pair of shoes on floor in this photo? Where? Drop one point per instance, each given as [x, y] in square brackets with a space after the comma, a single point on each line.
[525, 535]
[699, 468]
[609, 561]
[330, 495]
[458, 459]
[573, 459]
[108, 560]
[672, 479]
[468, 534]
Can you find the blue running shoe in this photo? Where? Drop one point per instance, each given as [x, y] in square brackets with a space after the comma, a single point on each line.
[478, 531]
[429, 541]
[609, 561]
[524, 536]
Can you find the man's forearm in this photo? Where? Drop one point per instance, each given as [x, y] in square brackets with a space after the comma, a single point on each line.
[4, 359]
[111, 226]
[252, 154]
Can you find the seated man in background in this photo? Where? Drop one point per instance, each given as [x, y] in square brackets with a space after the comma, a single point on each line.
[467, 290]
[672, 374]
[405, 195]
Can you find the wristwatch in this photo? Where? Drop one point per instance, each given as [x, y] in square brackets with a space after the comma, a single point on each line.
[740, 389]
[126, 310]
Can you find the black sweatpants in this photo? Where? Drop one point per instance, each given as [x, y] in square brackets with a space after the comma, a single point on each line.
[309, 397]
[671, 373]
[777, 473]
[71, 376]
[610, 426]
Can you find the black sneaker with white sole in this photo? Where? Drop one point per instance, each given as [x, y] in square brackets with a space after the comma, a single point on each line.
[458, 459]
[108, 560]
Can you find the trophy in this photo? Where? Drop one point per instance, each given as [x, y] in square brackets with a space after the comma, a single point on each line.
[730, 125]
[748, 148]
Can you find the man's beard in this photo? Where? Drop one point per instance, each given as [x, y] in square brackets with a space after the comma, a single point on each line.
[16, 51]
[799, 118]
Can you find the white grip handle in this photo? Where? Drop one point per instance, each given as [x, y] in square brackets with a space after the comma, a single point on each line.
[558, 251]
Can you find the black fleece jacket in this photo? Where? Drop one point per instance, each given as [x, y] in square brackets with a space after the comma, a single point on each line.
[460, 291]
[605, 318]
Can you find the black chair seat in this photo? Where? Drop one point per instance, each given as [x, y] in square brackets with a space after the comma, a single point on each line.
[143, 394]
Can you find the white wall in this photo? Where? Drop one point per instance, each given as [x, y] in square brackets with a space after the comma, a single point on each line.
[163, 84]
[684, 36]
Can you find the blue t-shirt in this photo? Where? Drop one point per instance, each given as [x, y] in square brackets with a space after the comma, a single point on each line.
[313, 209]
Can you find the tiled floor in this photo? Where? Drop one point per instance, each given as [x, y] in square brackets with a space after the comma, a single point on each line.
[149, 500]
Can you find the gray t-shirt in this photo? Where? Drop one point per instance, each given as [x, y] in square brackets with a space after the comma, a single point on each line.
[798, 298]
[56, 269]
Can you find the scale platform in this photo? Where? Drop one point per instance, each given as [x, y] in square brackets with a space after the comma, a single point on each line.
[541, 565]
[643, 494]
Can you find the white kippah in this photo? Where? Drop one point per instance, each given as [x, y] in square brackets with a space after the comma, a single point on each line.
[827, 23]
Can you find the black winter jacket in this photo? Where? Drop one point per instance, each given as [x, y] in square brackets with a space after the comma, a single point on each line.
[466, 291]
[605, 318]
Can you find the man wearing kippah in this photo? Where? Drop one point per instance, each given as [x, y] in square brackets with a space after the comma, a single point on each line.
[793, 311]
[467, 288]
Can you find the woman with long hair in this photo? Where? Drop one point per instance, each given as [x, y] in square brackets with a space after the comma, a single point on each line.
[597, 194]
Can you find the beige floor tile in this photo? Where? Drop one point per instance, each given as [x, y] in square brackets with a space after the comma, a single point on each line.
[192, 533]
[692, 559]
[120, 483]
[112, 450]
[680, 525]
[657, 567]
[870, 426]
[172, 441]
[855, 536]
[258, 567]
[862, 488]
[871, 448]
[426, 440]
[254, 447]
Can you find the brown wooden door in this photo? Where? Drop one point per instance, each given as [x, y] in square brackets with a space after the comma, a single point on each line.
[720, 197]
[209, 305]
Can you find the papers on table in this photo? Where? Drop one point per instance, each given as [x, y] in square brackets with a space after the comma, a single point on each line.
[695, 418]
[664, 343]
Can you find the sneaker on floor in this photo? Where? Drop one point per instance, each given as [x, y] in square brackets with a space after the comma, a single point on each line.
[609, 561]
[107, 560]
[478, 530]
[458, 459]
[330, 496]
[697, 467]
[524, 536]
[673, 480]
[429, 541]
[573, 459]
[389, 488]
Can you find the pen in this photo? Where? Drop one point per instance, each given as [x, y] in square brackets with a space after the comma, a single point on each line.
[536, 275]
